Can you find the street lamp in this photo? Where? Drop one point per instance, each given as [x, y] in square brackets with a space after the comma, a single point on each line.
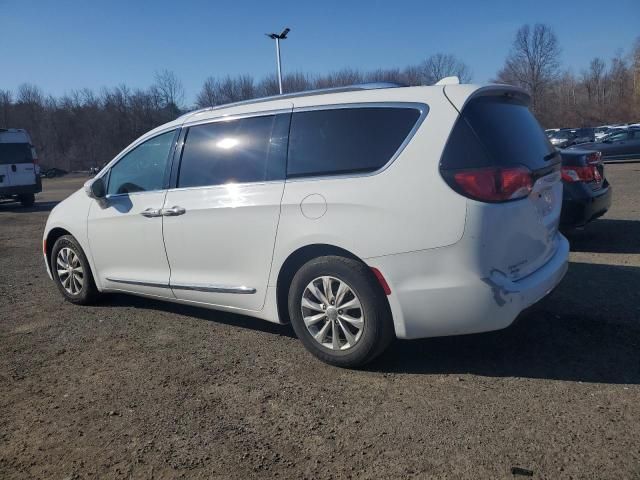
[277, 38]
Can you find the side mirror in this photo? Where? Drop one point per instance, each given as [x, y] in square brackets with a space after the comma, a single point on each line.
[95, 188]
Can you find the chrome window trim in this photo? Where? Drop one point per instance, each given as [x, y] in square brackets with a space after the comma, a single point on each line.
[423, 108]
[198, 287]
[118, 195]
[225, 185]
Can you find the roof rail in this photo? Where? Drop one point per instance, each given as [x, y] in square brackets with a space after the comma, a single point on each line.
[306, 93]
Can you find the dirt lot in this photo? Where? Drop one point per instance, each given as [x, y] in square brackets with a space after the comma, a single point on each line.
[134, 388]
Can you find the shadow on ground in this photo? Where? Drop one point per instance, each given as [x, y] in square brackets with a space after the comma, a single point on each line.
[226, 318]
[15, 207]
[607, 236]
[587, 330]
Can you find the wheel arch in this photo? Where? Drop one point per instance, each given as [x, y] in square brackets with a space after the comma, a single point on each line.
[298, 258]
[53, 235]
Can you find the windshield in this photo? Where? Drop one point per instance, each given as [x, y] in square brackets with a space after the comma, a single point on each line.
[561, 135]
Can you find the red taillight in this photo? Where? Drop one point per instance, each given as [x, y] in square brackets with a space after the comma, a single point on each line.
[590, 173]
[494, 184]
[595, 157]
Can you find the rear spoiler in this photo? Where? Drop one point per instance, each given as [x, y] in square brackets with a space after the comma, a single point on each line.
[459, 95]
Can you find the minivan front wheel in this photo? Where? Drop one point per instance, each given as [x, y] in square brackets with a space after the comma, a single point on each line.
[71, 271]
[339, 312]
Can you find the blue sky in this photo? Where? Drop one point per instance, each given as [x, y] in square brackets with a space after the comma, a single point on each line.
[69, 44]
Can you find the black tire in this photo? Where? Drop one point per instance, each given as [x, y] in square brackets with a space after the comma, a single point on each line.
[27, 200]
[88, 293]
[377, 332]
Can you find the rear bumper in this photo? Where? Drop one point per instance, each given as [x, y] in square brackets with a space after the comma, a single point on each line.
[21, 189]
[433, 296]
[580, 204]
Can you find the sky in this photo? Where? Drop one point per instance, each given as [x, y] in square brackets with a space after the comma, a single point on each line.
[62, 45]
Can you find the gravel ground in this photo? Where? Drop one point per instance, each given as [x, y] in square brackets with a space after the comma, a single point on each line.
[135, 388]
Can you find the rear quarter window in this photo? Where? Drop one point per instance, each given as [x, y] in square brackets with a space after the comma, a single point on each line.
[347, 140]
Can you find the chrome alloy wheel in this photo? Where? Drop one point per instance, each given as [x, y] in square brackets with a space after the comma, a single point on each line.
[332, 313]
[70, 271]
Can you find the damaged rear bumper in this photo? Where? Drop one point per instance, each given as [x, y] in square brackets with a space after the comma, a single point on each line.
[432, 294]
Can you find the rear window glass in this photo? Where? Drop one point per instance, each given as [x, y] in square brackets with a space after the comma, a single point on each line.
[15, 153]
[346, 140]
[496, 131]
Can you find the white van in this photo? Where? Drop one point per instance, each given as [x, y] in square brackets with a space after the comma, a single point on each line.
[19, 171]
[357, 214]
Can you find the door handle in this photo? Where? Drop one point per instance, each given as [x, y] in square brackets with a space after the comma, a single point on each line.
[173, 211]
[151, 212]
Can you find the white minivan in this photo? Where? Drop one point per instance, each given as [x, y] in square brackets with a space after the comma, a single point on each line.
[358, 214]
[19, 171]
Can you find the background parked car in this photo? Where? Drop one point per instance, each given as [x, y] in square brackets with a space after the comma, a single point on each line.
[19, 171]
[587, 193]
[53, 172]
[568, 137]
[619, 146]
[601, 132]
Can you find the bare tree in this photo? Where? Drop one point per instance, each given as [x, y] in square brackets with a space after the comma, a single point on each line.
[533, 62]
[384, 75]
[5, 108]
[635, 58]
[169, 89]
[208, 95]
[268, 86]
[594, 79]
[228, 90]
[341, 78]
[441, 65]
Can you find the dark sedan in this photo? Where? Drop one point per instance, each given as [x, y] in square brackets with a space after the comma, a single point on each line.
[587, 193]
[620, 146]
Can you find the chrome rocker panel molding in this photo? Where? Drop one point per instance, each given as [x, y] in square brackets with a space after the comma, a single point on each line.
[241, 290]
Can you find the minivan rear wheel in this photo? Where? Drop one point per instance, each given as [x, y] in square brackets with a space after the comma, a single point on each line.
[71, 271]
[339, 312]
[27, 200]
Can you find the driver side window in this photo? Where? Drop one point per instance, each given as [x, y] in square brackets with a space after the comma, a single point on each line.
[143, 168]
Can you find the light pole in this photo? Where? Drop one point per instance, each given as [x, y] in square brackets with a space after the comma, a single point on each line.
[277, 38]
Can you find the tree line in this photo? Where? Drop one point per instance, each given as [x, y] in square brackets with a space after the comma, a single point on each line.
[85, 128]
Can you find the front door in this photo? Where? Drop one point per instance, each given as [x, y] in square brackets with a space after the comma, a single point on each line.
[221, 220]
[125, 228]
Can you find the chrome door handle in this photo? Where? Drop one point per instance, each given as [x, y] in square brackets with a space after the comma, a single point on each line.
[173, 211]
[151, 212]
